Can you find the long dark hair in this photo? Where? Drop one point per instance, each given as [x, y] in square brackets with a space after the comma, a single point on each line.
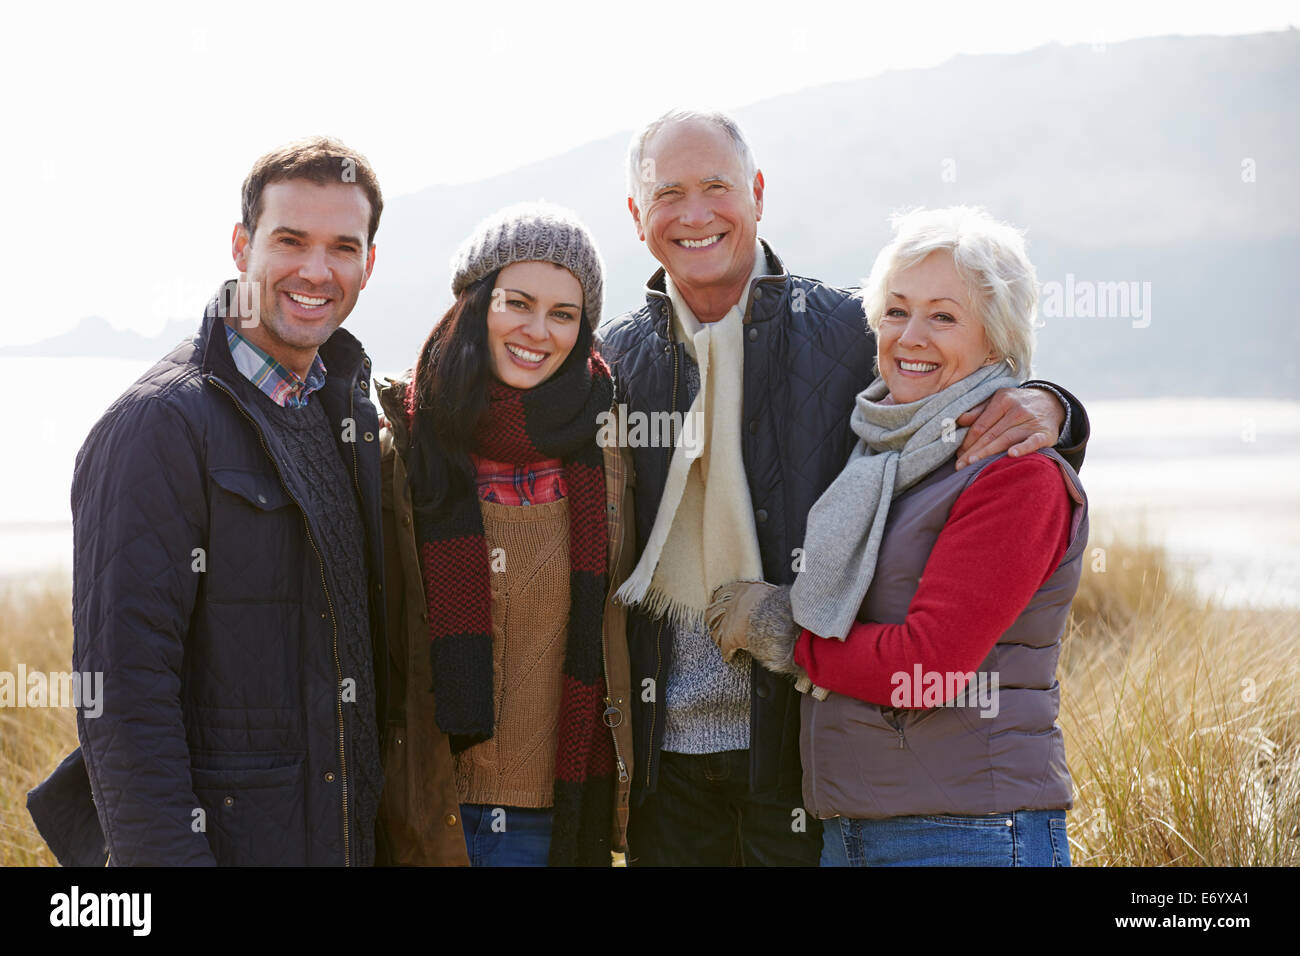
[450, 396]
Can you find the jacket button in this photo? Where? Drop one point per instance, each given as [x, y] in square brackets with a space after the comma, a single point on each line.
[261, 499]
[451, 820]
[758, 293]
[763, 691]
[229, 801]
[329, 776]
[753, 334]
[761, 515]
[369, 436]
[753, 427]
[322, 615]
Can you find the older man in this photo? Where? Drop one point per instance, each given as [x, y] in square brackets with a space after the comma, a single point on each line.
[767, 364]
[226, 529]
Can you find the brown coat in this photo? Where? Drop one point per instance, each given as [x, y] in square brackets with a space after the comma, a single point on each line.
[419, 817]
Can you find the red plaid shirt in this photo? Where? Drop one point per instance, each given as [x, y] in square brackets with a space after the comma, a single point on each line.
[537, 484]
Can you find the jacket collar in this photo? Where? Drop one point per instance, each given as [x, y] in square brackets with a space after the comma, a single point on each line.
[762, 305]
[392, 400]
[342, 353]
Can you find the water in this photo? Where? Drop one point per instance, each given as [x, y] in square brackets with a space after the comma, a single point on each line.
[1213, 480]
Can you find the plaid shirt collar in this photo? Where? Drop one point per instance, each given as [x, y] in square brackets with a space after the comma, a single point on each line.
[280, 385]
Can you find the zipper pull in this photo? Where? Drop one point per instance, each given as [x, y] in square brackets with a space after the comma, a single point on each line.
[900, 738]
[622, 771]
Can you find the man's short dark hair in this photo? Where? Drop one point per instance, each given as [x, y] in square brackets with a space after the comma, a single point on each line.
[321, 160]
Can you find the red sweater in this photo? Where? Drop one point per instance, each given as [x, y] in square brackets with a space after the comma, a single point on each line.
[1004, 537]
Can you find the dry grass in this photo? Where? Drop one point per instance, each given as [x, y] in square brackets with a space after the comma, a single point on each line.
[1179, 721]
[36, 630]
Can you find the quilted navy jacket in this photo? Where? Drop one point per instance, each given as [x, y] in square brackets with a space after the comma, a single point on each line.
[199, 593]
[808, 352]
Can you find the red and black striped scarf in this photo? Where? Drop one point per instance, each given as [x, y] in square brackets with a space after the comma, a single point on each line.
[556, 419]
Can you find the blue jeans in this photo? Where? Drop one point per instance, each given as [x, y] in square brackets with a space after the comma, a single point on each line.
[1023, 838]
[506, 836]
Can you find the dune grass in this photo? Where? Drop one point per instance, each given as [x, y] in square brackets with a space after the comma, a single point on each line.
[35, 630]
[1180, 722]
[1180, 726]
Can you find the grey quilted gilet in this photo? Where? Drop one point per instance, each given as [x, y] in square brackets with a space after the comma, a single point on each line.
[861, 760]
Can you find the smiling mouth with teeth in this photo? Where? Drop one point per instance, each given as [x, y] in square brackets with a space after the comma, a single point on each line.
[307, 301]
[917, 366]
[524, 354]
[699, 243]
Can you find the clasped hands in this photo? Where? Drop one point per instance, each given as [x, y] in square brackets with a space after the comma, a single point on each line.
[755, 617]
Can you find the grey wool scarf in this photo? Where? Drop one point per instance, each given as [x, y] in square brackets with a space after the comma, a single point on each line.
[898, 445]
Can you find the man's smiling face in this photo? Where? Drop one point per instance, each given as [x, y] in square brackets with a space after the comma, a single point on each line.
[697, 213]
[308, 260]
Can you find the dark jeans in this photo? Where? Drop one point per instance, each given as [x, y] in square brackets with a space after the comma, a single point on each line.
[702, 814]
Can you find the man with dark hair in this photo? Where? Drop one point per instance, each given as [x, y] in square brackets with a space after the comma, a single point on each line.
[228, 560]
[771, 362]
[322, 161]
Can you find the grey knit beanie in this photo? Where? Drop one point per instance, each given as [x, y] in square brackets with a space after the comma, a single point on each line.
[532, 232]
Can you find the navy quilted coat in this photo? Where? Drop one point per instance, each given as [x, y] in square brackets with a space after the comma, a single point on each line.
[222, 738]
[808, 353]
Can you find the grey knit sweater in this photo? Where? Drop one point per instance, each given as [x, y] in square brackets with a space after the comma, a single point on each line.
[706, 701]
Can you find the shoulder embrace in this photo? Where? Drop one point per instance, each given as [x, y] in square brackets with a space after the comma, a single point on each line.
[1037, 475]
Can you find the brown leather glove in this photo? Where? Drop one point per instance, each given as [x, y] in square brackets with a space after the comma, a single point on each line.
[755, 617]
[728, 614]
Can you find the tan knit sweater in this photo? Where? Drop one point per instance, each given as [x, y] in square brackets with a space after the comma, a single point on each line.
[528, 547]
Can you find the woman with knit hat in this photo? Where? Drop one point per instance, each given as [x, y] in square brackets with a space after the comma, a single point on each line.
[925, 623]
[506, 736]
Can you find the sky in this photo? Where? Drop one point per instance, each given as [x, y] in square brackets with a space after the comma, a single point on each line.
[128, 128]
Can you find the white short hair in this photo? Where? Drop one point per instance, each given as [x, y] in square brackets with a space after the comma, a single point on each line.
[728, 124]
[989, 255]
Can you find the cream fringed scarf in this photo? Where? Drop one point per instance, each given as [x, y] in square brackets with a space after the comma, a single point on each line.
[703, 534]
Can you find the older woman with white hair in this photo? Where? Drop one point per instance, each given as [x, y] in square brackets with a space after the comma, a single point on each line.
[925, 624]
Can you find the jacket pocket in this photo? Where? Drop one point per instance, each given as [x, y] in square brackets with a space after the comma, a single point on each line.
[253, 817]
[399, 811]
[256, 540]
[260, 490]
